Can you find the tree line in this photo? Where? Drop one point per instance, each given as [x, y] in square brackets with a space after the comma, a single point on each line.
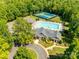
[11, 9]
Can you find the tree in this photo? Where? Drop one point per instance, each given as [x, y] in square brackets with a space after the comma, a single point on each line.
[4, 31]
[23, 32]
[3, 12]
[4, 47]
[25, 53]
[73, 51]
[12, 11]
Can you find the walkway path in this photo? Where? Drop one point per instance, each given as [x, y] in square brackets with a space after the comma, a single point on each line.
[13, 52]
[61, 47]
[51, 47]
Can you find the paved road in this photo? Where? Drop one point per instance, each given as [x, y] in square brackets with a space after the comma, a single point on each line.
[39, 50]
[13, 52]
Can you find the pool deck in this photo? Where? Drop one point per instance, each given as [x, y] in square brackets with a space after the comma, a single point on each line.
[36, 25]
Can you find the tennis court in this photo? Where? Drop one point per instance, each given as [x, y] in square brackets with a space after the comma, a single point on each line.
[45, 15]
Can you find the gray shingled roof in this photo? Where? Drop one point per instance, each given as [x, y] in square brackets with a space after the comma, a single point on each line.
[48, 33]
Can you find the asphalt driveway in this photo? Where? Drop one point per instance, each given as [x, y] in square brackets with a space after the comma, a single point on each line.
[39, 50]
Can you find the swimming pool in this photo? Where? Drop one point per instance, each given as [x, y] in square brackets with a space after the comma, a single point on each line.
[48, 25]
[45, 15]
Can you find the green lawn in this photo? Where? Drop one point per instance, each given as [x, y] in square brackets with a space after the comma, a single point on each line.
[56, 50]
[34, 55]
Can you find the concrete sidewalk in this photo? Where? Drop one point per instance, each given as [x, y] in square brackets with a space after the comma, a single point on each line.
[13, 52]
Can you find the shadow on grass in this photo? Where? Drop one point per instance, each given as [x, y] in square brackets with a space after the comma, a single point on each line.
[58, 56]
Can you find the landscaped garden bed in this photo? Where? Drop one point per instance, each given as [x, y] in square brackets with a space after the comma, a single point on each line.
[47, 43]
[62, 44]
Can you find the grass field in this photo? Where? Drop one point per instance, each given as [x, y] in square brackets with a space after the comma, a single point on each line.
[56, 50]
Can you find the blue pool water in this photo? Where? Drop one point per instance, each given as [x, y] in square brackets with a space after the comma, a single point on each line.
[52, 26]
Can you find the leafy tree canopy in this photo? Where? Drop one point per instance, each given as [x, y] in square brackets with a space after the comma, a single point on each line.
[25, 53]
